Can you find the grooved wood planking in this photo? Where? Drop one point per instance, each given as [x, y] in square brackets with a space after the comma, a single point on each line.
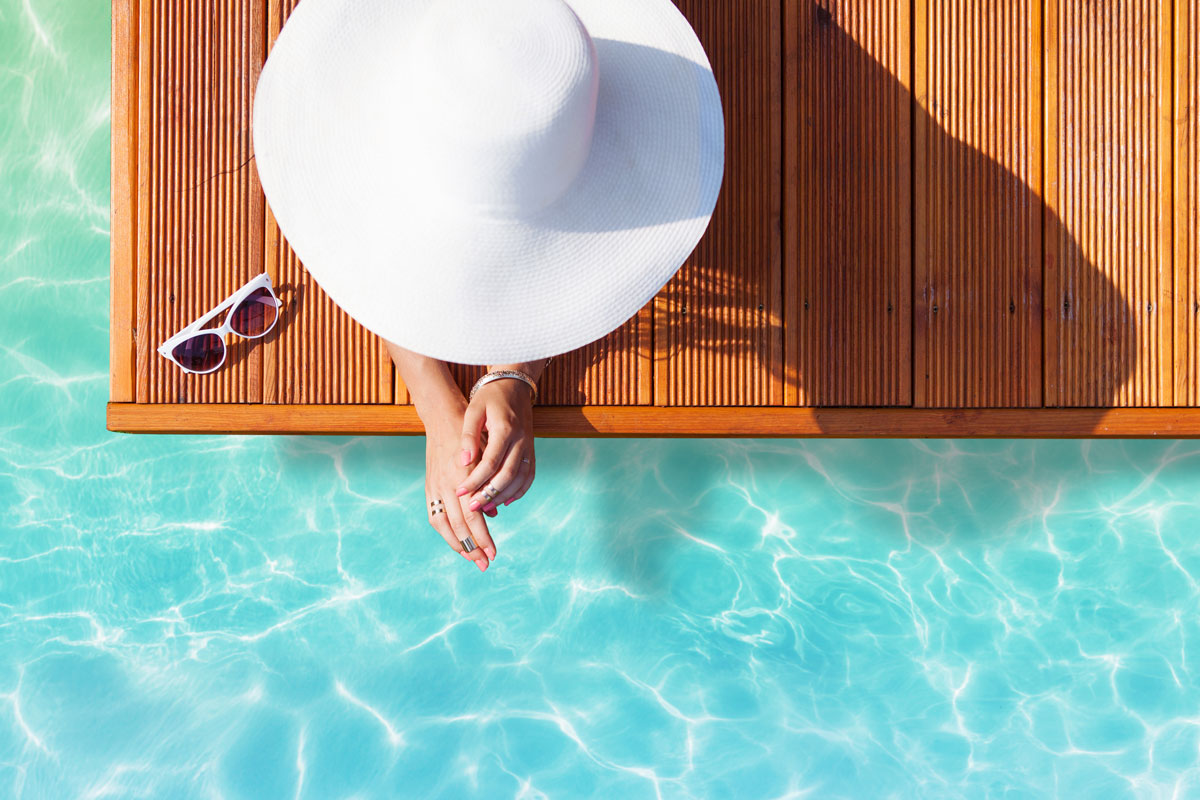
[320, 355]
[1187, 202]
[847, 232]
[200, 211]
[718, 333]
[861, 191]
[977, 289]
[1108, 269]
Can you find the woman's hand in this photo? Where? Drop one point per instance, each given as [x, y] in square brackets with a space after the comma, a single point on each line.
[505, 408]
[444, 471]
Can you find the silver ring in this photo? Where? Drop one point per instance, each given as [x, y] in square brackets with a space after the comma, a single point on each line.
[490, 492]
[436, 507]
[468, 544]
[525, 460]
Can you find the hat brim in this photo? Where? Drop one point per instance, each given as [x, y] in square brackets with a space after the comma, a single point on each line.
[332, 158]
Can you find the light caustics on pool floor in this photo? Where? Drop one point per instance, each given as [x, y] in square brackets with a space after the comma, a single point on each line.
[240, 617]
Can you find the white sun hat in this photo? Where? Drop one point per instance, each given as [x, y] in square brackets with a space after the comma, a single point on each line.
[490, 181]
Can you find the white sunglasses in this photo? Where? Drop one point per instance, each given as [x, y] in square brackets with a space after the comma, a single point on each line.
[254, 312]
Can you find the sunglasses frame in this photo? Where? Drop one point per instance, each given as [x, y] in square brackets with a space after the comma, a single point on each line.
[260, 281]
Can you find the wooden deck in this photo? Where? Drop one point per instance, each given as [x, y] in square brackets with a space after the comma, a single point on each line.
[938, 219]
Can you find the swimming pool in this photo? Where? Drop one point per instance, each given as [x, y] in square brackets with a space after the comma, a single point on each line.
[262, 617]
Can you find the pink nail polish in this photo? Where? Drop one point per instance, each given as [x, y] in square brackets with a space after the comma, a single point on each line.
[506, 502]
[481, 566]
[461, 491]
[474, 505]
[491, 552]
[466, 457]
[490, 507]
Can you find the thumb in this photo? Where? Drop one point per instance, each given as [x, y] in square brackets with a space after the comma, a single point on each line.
[472, 422]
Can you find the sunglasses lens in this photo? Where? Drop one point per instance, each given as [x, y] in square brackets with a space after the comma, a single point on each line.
[200, 353]
[255, 315]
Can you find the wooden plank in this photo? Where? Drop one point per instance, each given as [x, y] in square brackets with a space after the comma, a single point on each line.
[255, 252]
[848, 287]
[193, 246]
[123, 194]
[147, 140]
[651, 421]
[977, 333]
[1186, 205]
[717, 332]
[1051, 207]
[1163, 128]
[1107, 269]
[319, 354]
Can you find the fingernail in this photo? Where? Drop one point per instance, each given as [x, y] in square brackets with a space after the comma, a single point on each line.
[466, 457]
[490, 507]
[491, 551]
[481, 565]
[461, 491]
[506, 502]
[474, 505]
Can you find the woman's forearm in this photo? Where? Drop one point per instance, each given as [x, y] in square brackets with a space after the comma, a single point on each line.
[428, 380]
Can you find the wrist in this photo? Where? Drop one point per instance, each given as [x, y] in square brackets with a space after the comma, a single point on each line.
[441, 407]
[531, 368]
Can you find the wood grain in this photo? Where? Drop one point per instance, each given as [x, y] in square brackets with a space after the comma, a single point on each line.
[977, 299]
[848, 240]
[1108, 278]
[1186, 205]
[718, 334]
[1026, 168]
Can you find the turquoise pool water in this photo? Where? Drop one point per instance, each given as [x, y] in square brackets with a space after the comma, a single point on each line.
[271, 617]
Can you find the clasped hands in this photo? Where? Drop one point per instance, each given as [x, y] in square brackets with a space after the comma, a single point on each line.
[472, 448]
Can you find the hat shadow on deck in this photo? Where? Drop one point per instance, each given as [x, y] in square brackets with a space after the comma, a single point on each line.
[832, 205]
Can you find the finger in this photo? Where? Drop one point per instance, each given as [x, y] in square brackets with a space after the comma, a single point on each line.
[506, 481]
[528, 481]
[470, 525]
[519, 483]
[441, 524]
[473, 419]
[479, 530]
[489, 465]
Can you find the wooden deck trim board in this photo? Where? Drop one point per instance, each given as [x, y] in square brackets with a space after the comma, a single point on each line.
[122, 222]
[658, 422]
[147, 116]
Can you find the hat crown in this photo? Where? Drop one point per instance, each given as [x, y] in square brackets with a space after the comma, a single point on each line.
[502, 97]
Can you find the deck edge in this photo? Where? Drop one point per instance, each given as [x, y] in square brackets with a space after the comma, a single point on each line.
[674, 421]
